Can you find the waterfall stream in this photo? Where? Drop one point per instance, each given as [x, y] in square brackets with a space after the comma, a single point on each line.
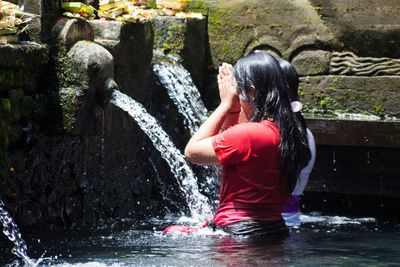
[10, 229]
[182, 91]
[197, 202]
[184, 94]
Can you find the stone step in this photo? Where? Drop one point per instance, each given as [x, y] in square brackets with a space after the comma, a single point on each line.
[347, 132]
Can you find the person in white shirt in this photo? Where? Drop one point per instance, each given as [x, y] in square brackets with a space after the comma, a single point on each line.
[291, 212]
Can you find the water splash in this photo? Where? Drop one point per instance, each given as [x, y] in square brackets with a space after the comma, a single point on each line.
[10, 229]
[197, 202]
[186, 97]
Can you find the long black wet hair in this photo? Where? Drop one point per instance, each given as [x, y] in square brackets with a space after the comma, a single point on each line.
[292, 79]
[260, 75]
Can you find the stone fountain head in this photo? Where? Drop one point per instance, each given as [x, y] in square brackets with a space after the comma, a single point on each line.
[105, 92]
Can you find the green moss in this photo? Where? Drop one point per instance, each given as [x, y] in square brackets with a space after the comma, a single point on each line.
[158, 36]
[300, 91]
[26, 107]
[198, 6]
[171, 39]
[318, 79]
[4, 141]
[70, 81]
[16, 96]
[324, 102]
[5, 107]
[5, 111]
[378, 107]
[231, 28]
[152, 4]
[216, 16]
[276, 26]
[331, 89]
[176, 37]
[11, 78]
[336, 79]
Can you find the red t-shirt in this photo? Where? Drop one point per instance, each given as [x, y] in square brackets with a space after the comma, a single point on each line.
[251, 184]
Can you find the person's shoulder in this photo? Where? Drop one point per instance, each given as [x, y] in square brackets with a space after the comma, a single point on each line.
[269, 127]
[249, 126]
[262, 125]
[257, 129]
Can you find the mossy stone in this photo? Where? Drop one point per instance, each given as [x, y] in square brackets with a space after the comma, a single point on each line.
[16, 98]
[238, 27]
[169, 35]
[5, 111]
[15, 133]
[69, 75]
[312, 62]
[19, 65]
[364, 95]
[13, 78]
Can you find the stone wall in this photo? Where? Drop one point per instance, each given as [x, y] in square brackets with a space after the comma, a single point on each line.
[71, 158]
[347, 55]
[313, 36]
[21, 67]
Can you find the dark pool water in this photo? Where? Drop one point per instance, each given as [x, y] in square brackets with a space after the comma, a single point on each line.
[321, 241]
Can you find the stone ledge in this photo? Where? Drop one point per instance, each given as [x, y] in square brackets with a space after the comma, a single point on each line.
[355, 132]
[24, 54]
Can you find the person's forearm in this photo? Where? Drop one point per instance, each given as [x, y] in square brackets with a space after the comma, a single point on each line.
[200, 149]
[231, 119]
[212, 125]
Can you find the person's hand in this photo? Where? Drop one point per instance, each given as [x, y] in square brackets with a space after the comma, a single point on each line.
[228, 89]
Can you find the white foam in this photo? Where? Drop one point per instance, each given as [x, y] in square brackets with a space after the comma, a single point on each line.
[89, 264]
[334, 220]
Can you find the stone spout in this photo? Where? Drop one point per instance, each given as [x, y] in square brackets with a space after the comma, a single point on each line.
[106, 91]
[85, 94]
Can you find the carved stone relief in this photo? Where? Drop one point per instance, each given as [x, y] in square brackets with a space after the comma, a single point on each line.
[347, 63]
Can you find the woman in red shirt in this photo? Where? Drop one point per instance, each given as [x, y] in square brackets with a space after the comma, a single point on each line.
[253, 134]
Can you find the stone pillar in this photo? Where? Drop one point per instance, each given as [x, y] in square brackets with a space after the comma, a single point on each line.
[186, 38]
[49, 11]
[131, 45]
